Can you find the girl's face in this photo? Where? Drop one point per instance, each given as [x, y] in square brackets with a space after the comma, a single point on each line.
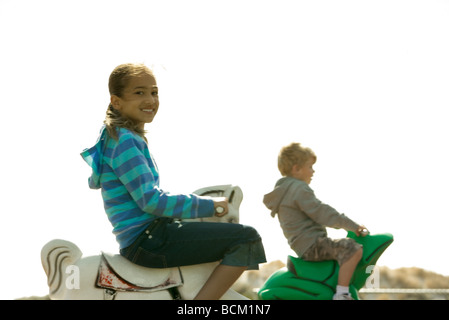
[305, 172]
[139, 101]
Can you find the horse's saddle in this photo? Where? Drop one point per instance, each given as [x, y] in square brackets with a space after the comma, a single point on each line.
[116, 273]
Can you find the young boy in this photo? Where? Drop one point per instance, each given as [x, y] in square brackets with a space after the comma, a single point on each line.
[304, 218]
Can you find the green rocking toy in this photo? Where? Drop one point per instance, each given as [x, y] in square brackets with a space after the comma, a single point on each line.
[307, 280]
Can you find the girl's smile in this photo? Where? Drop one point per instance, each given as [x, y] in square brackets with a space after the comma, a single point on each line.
[140, 100]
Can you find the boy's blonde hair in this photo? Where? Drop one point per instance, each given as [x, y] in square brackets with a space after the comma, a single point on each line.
[118, 81]
[294, 154]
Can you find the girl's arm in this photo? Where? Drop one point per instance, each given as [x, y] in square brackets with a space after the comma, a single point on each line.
[131, 161]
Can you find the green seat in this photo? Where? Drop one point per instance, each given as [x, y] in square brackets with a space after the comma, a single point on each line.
[308, 280]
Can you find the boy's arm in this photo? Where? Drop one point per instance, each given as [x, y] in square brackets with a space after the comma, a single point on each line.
[323, 213]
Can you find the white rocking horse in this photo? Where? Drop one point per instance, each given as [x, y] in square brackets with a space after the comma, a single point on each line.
[111, 276]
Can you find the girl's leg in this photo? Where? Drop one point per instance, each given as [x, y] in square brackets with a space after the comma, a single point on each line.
[189, 243]
[347, 268]
[221, 279]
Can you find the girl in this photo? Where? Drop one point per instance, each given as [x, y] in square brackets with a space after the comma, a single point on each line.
[142, 215]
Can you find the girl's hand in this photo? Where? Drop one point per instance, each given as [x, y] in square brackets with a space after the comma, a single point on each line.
[220, 206]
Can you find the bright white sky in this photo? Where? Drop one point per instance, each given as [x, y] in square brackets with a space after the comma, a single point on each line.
[363, 83]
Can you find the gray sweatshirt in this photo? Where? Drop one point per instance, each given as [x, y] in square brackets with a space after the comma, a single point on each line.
[303, 218]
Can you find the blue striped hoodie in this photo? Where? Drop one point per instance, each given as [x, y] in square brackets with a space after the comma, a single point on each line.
[128, 176]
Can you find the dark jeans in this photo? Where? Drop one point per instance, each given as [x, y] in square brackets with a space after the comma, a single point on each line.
[167, 243]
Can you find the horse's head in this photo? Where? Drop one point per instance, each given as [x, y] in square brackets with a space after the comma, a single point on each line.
[56, 256]
[234, 195]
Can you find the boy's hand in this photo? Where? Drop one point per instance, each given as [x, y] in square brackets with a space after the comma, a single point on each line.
[362, 231]
[220, 206]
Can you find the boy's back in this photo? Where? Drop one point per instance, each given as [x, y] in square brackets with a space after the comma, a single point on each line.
[303, 218]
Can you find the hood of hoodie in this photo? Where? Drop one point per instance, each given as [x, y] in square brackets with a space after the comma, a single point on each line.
[274, 199]
[94, 158]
